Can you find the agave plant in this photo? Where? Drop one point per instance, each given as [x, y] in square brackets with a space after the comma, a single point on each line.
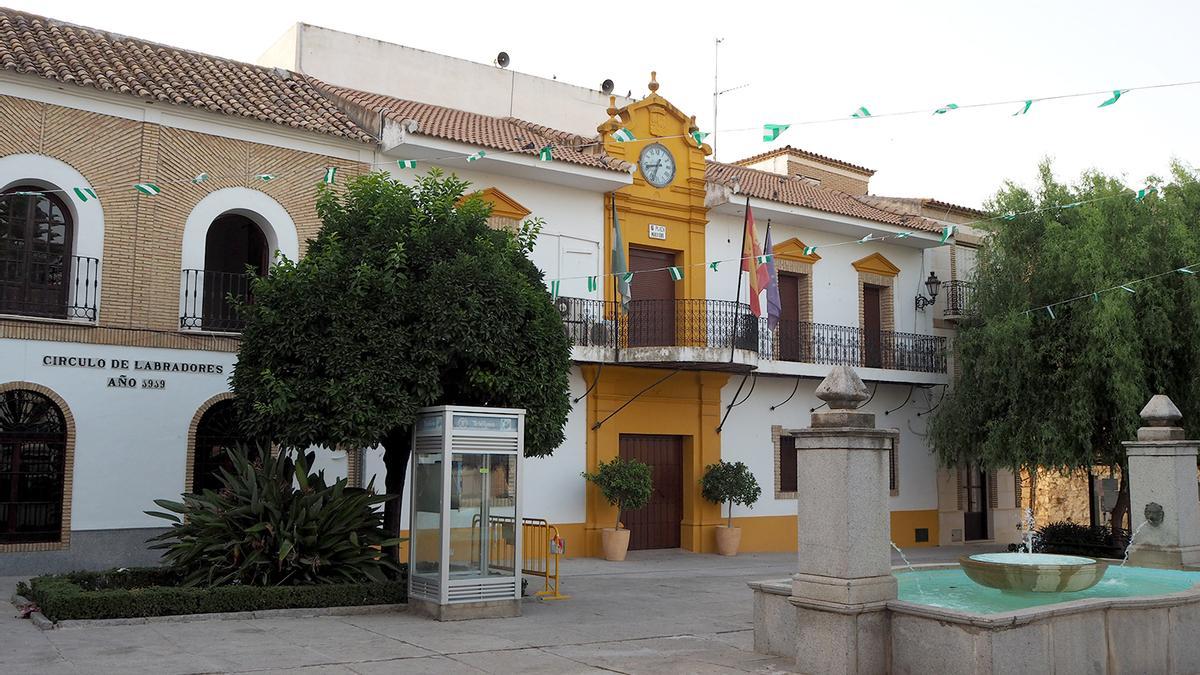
[273, 523]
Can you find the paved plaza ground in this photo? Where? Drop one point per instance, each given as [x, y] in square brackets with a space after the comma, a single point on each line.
[658, 612]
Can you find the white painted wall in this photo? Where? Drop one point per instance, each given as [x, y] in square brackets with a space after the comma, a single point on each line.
[746, 437]
[386, 68]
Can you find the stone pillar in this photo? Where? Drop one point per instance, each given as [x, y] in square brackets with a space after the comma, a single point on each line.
[1163, 490]
[845, 577]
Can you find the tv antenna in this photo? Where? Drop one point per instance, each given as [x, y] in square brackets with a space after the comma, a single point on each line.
[718, 92]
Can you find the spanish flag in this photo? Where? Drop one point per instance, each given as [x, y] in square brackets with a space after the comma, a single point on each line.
[754, 263]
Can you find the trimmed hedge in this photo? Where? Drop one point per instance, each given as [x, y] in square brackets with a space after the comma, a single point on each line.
[141, 592]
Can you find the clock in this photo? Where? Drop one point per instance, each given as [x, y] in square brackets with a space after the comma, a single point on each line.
[657, 165]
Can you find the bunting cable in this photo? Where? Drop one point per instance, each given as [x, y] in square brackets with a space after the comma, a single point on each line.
[794, 390]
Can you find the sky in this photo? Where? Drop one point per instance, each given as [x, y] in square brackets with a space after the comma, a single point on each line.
[804, 61]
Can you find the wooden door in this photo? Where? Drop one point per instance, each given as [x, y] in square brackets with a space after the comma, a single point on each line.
[975, 525]
[658, 524]
[35, 260]
[652, 309]
[789, 317]
[872, 327]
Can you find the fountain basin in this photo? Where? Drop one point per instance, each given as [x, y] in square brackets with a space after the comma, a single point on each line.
[1033, 572]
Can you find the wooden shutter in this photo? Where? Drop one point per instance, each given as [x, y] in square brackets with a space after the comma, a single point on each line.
[893, 478]
[787, 464]
[993, 492]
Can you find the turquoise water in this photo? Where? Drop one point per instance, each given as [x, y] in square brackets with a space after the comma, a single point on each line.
[951, 589]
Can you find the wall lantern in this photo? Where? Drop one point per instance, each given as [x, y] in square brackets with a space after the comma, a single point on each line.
[932, 284]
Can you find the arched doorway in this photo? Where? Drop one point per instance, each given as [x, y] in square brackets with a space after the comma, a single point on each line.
[233, 243]
[35, 252]
[217, 431]
[33, 450]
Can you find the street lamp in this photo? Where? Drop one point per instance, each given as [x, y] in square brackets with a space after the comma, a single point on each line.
[932, 284]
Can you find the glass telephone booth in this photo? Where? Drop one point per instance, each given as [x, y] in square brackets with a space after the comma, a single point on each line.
[465, 543]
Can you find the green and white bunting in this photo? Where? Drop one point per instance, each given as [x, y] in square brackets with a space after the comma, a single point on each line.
[762, 259]
[199, 178]
[772, 131]
[699, 137]
[554, 288]
[627, 277]
[676, 273]
[1184, 270]
[546, 154]
[266, 177]
[713, 265]
[1022, 111]
[1050, 312]
[947, 232]
[1116, 96]
[1009, 215]
[869, 237]
[946, 108]
[85, 194]
[593, 283]
[861, 112]
[904, 235]
[406, 163]
[477, 156]
[623, 135]
[148, 189]
[809, 250]
[1128, 289]
[330, 175]
[1143, 193]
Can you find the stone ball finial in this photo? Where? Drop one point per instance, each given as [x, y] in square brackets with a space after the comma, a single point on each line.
[842, 389]
[653, 80]
[1161, 411]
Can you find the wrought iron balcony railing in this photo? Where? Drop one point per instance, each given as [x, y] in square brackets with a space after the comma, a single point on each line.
[715, 324]
[720, 323]
[50, 286]
[207, 300]
[959, 295]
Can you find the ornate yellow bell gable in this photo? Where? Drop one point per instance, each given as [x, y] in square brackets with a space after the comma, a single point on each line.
[664, 207]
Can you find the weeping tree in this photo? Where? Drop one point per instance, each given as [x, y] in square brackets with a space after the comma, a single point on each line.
[406, 298]
[1061, 388]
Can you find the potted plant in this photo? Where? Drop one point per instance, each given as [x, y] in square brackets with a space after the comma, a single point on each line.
[626, 484]
[732, 483]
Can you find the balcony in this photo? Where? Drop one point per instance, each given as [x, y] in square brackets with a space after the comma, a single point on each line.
[676, 333]
[50, 286]
[823, 344]
[208, 300]
[699, 334]
[959, 296]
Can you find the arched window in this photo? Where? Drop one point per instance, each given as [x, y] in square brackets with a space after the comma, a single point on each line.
[233, 243]
[35, 253]
[217, 432]
[33, 447]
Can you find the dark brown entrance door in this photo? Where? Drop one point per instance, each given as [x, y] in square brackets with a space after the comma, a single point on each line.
[872, 327]
[35, 247]
[658, 524]
[652, 309]
[975, 525]
[789, 317]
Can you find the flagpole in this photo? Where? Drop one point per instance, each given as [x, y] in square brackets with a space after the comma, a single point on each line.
[737, 311]
[612, 196]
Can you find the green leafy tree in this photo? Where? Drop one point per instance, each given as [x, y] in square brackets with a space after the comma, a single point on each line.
[1063, 391]
[730, 483]
[625, 483]
[406, 298]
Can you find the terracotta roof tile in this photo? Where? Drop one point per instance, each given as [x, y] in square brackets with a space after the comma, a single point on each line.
[56, 50]
[801, 192]
[789, 150]
[499, 133]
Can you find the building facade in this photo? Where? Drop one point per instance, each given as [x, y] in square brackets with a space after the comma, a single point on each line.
[117, 338]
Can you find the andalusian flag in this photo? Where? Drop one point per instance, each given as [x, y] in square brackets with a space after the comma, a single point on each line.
[545, 154]
[1116, 96]
[477, 156]
[861, 112]
[148, 189]
[947, 232]
[330, 175]
[593, 283]
[406, 163]
[751, 254]
[713, 265]
[617, 258]
[266, 177]
[946, 108]
[554, 289]
[1143, 193]
[772, 131]
[623, 135]
[1022, 111]
[85, 194]
[699, 137]
[809, 250]
[676, 273]
[199, 178]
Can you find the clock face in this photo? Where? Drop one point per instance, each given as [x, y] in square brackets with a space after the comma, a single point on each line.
[657, 165]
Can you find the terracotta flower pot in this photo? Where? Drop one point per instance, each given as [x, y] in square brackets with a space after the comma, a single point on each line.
[728, 539]
[615, 542]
